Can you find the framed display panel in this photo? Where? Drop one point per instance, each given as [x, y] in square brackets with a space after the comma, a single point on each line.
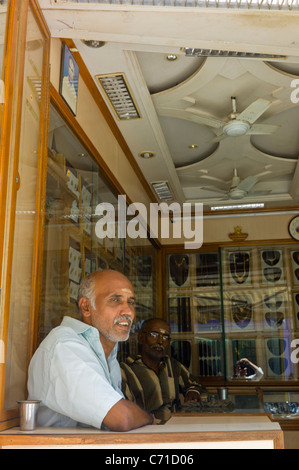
[275, 315]
[75, 269]
[296, 308]
[239, 311]
[294, 255]
[143, 266]
[272, 266]
[179, 270]
[207, 312]
[209, 356]
[239, 268]
[179, 311]
[207, 269]
[278, 356]
[69, 77]
[181, 350]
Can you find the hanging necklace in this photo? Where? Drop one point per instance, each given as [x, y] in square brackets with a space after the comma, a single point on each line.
[271, 257]
[240, 278]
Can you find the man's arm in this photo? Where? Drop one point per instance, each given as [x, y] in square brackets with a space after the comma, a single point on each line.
[126, 415]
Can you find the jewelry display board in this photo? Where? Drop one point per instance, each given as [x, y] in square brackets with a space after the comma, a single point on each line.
[248, 310]
[194, 311]
[260, 309]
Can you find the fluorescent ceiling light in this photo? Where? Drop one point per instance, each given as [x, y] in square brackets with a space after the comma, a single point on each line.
[238, 206]
[193, 52]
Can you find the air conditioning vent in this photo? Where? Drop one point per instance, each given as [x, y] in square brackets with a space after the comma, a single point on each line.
[163, 191]
[117, 91]
[193, 52]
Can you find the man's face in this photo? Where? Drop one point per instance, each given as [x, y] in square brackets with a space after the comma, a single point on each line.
[114, 307]
[155, 340]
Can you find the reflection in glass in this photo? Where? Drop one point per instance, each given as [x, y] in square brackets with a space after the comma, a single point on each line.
[182, 351]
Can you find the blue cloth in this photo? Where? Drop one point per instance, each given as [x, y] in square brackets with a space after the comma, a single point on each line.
[70, 375]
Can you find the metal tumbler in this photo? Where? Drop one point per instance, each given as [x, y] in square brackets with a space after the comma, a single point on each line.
[28, 410]
[222, 393]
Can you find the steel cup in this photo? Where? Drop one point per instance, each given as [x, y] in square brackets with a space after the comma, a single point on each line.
[222, 393]
[28, 410]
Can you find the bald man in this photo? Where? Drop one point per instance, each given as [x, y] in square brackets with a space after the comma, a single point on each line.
[75, 373]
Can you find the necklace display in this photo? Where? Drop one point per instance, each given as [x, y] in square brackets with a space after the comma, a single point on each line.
[272, 274]
[144, 269]
[273, 302]
[207, 269]
[241, 311]
[274, 319]
[239, 266]
[271, 257]
[296, 257]
[179, 269]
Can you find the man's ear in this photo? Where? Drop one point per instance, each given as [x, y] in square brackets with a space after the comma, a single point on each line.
[85, 308]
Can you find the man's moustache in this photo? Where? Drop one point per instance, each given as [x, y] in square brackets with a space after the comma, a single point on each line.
[122, 318]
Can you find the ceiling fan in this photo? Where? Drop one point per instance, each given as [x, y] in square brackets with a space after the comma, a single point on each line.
[238, 124]
[237, 188]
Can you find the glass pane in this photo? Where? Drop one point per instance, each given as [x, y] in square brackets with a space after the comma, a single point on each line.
[260, 293]
[15, 384]
[194, 311]
[73, 247]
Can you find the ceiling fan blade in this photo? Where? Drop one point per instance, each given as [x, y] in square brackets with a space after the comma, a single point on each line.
[261, 129]
[218, 138]
[208, 121]
[263, 173]
[260, 193]
[248, 183]
[254, 110]
[213, 189]
[224, 184]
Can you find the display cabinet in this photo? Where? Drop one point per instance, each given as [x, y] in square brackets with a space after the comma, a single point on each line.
[282, 404]
[260, 291]
[194, 311]
[234, 303]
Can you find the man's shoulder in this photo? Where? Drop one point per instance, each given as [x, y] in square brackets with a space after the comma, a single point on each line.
[61, 333]
[130, 360]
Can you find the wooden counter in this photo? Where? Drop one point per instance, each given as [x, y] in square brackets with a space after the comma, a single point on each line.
[180, 432]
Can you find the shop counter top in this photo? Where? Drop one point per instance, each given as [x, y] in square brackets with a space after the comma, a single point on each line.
[180, 432]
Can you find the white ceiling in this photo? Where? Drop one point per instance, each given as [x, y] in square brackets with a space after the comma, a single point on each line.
[137, 40]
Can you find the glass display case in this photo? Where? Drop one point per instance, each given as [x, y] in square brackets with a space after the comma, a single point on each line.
[282, 404]
[260, 293]
[238, 302]
[194, 311]
[72, 248]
